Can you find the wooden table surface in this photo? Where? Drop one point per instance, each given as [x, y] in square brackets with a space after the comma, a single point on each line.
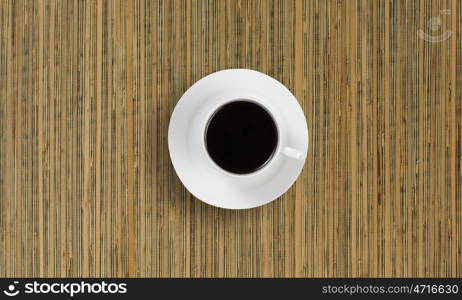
[87, 89]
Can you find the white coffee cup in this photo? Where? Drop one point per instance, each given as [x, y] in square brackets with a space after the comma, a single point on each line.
[193, 164]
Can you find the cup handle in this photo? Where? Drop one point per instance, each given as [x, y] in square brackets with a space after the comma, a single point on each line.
[293, 153]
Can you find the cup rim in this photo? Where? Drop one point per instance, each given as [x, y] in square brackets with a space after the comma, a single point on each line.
[270, 159]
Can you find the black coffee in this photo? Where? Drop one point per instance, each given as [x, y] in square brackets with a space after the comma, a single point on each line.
[241, 137]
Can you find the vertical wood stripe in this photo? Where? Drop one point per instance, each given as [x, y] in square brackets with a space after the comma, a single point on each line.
[86, 92]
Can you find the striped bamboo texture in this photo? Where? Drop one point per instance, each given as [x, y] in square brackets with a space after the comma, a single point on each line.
[87, 187]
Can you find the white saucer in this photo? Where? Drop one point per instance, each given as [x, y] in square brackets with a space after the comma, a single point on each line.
[200, 175]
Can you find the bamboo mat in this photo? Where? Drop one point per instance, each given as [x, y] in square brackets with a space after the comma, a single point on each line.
[87, 187]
